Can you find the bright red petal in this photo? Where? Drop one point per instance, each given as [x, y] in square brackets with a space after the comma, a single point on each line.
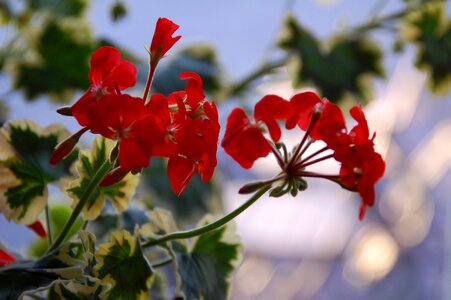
[6, 258]
[38, 228]
[180, 171]
[162, 39]
[270, 109]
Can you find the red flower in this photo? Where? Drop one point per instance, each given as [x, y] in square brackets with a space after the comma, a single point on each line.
[109, 74]
[162, 39]
[191, 132]
[6, 258]
[328, 126]
[361, 166]
[123, 117]
[38, 228]
[244, 141]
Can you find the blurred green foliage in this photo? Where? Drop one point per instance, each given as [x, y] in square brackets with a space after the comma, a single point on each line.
[335, 72]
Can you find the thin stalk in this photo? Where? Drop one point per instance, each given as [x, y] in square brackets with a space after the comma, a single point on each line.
[311, 156]
[293, 160]
[49, 225]
[334, 178]
[277, 155]
[95, 181]
[162, 263]
[316, 160]
[149, 80]
[209, 227]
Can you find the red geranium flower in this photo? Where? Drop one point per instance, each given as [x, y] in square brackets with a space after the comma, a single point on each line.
[244, 140]
[124, 118]
[162, 39]
[361, 166]
[109, 74]
[329, 124]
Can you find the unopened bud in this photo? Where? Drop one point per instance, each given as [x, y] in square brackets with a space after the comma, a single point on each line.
[113, 177]
[65, 111]
[252, 187]
[63, 149]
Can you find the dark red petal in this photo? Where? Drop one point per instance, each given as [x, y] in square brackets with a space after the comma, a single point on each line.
[134, 154]
[113, 177]
[81, 108]
[180, 172]
[38, 228]
[64, 148]
[103, 60]
[6, 258]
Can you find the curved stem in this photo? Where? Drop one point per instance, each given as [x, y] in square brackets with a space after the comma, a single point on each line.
[95, 180]
[263, 69]
[162, 263]
[209, 227]
[49, 225]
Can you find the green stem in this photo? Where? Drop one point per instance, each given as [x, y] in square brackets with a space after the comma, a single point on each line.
[162, 263]
[49, 225]
[264, 69]
[95, 181]
[209, 227]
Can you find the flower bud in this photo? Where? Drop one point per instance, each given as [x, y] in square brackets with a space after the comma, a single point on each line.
[64, 148]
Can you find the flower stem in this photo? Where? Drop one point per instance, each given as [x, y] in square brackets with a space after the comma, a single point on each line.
[316, 161]
[162, 263]
[209, 227]
[312, 155]
[49, 225]
[95, 180]
[149, 81]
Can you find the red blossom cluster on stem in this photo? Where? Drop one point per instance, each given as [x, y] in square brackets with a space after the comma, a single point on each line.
[182, 127]
[361, 167]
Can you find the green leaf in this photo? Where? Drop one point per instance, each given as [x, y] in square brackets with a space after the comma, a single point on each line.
[63, 263]
[89, 161]
[118, 11]
[122, 264]
[88, 289]
[67, 8]
[63, 63]
[343, 69]
[430, 30]
[206, 268]
[200, 59]
[24, 165]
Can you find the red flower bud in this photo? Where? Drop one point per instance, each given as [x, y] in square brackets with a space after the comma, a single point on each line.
[64, 148]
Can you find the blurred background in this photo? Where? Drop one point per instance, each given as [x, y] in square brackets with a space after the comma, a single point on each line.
[393, 57]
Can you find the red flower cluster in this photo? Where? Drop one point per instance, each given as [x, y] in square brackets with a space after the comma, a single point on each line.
[361, 166]
[182, 127]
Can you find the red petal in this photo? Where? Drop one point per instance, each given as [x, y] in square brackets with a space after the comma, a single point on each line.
[38, 228]
[6, 258]
[162, 39]
[194, 89]
[270, 109]
[243, 141]
[180, 171]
